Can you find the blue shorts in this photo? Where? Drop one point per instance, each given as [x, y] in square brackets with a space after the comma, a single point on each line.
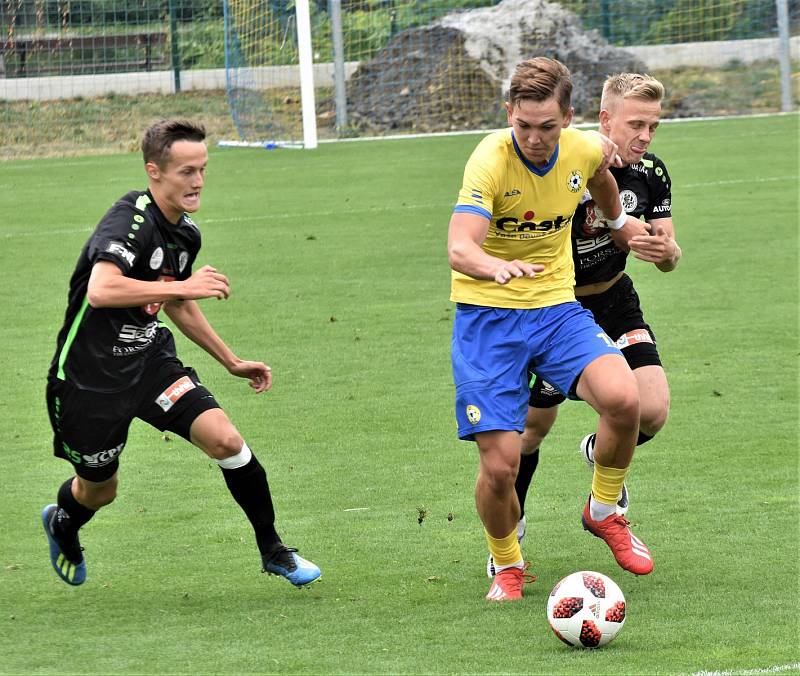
[493, 348]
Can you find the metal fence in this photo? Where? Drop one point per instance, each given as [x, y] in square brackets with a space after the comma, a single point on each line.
[69, 67]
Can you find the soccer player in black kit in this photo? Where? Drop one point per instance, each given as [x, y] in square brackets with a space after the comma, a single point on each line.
[630, 111]
[115, 361]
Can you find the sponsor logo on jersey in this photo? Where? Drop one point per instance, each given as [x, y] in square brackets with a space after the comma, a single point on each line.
[584, 246]
[634, 337]
[511, 227]
[121, 251]
[473, 414]
[640, 167]
[629, 201]
[575, 181]
[157, 258]
[130, 333]
[664, 206]
[512, 193]
[102, 458]
[166, 400]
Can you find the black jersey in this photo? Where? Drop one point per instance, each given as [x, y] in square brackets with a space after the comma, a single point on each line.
[645, 191]
[108, 349]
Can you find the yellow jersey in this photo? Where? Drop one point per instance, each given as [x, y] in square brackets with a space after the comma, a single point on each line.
[530, 212]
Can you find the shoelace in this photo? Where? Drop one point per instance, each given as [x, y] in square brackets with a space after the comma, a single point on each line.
[513, 582]
[528, 577]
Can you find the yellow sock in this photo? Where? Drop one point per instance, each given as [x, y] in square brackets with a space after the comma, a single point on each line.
[607, 483]
[505, 551]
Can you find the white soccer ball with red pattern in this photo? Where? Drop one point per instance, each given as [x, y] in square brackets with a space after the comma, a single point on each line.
[586, 609]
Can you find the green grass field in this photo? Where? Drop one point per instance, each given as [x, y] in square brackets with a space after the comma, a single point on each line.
[340, 282]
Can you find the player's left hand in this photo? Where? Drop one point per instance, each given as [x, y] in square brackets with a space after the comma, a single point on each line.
[655, 247]
[260, 374]
[610, 156]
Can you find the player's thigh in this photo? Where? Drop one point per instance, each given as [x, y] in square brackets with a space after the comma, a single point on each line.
[608, 385]
[214, 433]
[539, 421]
[489, 357]
[90, 429]
[653, 394]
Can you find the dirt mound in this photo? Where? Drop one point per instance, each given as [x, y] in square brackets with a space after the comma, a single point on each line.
[454, 73]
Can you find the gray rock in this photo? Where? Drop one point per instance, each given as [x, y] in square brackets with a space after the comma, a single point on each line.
[454, 73]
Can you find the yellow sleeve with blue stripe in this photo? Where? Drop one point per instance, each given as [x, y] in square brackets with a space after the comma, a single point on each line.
[530, 212]
[482, 175]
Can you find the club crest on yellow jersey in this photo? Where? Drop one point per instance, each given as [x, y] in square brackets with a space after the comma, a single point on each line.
[575, 181]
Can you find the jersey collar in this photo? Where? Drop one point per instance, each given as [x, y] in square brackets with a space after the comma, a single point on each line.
[539, 171]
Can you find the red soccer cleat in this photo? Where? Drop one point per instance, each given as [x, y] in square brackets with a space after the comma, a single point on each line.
[507, 584]
[630, 552]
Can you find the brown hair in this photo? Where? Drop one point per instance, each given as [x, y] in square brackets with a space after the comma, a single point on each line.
[540, 79]
[158, 139]
[631, 86]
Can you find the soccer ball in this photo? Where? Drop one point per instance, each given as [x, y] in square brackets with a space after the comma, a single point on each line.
[586, 609]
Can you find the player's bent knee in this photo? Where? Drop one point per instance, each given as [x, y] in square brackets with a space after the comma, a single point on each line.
[96, 495]
[225, 446]
[499, 477]
[652, 422]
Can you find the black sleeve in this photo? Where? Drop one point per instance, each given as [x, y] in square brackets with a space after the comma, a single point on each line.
[121, 237]
[660, 187]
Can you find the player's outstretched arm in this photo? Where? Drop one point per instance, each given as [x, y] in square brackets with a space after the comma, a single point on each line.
[192, 323]
[466, 234]
[658, 246]
[108, 287]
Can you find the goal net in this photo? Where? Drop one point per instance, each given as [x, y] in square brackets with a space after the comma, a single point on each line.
[262, 71]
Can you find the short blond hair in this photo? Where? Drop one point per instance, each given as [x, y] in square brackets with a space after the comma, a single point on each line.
[630, 86]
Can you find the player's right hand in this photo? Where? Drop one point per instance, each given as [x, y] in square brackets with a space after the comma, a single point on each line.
[610, 156]
[516, 268]
[206, 283]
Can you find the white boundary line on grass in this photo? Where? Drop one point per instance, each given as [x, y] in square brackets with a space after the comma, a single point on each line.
[751, 672]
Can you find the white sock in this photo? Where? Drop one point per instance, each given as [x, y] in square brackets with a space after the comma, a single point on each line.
[600, 510]
[519, 564]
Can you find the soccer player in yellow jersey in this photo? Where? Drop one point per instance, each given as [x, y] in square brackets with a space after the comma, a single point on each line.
[513, 276]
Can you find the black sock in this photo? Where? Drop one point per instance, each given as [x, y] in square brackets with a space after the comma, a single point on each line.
[71, 514]
[527, 466]
[643, 438]
[248, 486]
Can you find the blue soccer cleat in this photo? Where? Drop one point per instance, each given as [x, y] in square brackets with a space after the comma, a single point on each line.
[286, 563]
[66, 557]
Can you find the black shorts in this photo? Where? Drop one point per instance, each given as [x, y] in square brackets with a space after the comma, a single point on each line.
[619, 314]
[90, 428]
